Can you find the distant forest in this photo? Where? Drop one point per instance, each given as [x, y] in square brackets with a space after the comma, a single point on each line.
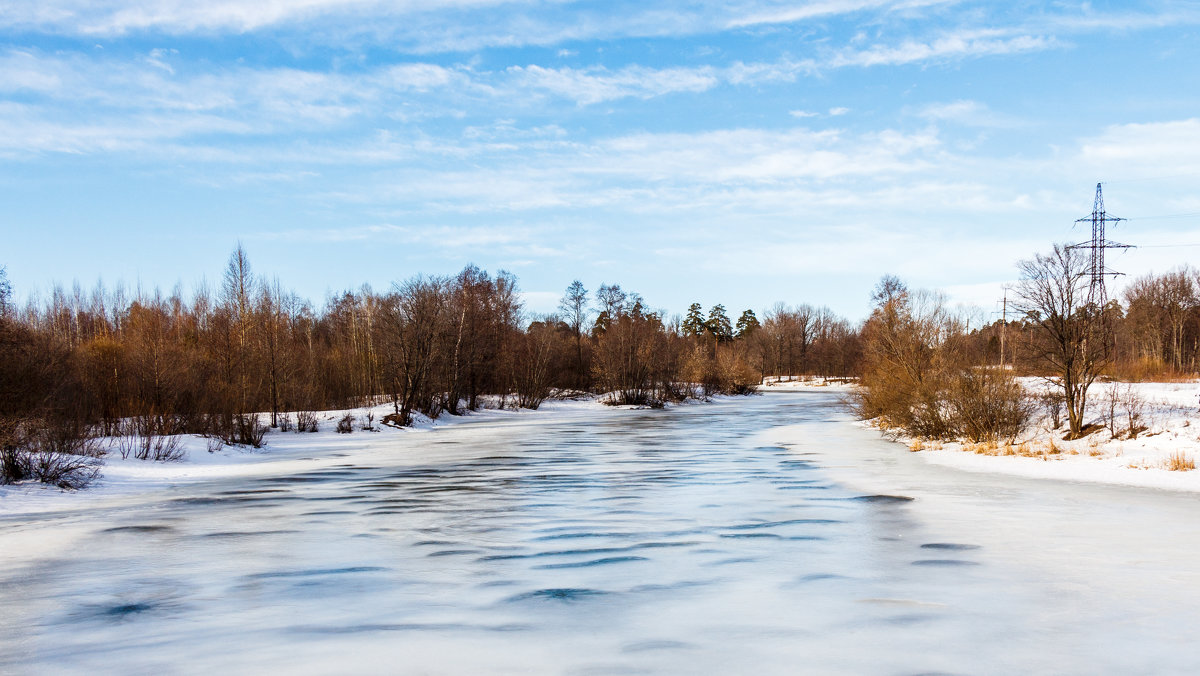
[81, 364]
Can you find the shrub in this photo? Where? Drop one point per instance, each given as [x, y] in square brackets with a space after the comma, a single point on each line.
[306, 421]
[58, 452]
[247, 430]
[149, 437]
[346, 424]
[987, 405]
[1134, 407]
[70, 472]
[1052, 402]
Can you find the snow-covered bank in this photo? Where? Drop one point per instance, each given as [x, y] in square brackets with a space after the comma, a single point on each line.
[1165, 416]
[803, 383]
[281, 452]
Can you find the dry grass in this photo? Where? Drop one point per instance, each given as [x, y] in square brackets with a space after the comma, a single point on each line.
[983, 448]
[916, 445]
[1025, 449]
[1180, 462]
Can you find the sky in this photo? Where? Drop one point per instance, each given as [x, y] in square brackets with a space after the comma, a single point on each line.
[743, 152]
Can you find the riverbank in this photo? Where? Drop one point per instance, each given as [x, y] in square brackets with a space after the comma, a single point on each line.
[284, 452]
[1142, 434]
[281, 452]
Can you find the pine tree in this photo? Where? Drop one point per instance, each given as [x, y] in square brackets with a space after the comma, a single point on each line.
[718, 323]
[694, 323]
[747, 324]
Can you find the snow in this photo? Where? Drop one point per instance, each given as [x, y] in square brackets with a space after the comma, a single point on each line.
[281, 452]
[806, 383]
[346, 573]
[1171, 415]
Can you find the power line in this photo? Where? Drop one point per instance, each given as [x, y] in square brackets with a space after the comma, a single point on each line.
[1193, 214]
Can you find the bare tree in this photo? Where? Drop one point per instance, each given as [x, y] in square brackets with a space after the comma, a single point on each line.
[422, 306]
[1071, 340]
[237, 291]
[1159, 310]
[575, 311]
[534, 357]
[6, 307]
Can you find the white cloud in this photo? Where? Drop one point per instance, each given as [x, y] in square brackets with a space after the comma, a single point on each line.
[1152, 149]
[838, 111]
[115, 17]
[789, 13]
[802, 113]
[967, 43]
[594, 85]
[968, 113]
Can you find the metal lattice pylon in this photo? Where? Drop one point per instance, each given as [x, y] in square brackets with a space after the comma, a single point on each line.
[1097, 295]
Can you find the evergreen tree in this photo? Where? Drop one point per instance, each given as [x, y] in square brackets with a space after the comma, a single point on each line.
[603, 320]
[718, 323]
[747, 324]
[693, 323]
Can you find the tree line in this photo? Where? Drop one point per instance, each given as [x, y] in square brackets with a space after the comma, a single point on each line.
[232, 361]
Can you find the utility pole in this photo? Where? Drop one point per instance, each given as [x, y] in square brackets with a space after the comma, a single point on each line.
[1097, 295]
[1003, 325]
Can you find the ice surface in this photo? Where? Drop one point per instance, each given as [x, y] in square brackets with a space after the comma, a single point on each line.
[755, 535]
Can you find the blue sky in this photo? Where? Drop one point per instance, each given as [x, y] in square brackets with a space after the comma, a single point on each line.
[740, 152]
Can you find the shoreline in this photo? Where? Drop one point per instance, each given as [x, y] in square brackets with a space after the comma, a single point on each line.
[1168, 413]
[129, 478]
[1094, 459]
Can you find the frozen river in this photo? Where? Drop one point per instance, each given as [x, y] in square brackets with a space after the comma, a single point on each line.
[764, 535]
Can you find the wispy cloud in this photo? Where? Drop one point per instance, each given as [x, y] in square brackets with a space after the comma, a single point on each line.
[968, 113]
[1149, 149]
[787, 13]
[597, 84]
[962, 44]
[114, 17]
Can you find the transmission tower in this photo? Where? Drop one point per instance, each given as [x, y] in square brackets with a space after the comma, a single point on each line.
[1097, 295]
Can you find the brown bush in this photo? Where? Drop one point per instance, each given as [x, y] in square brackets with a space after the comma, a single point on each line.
[915, 377]
[58, 452]
[988, 405]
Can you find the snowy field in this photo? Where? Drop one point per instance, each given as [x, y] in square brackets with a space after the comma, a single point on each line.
[1160, 453]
